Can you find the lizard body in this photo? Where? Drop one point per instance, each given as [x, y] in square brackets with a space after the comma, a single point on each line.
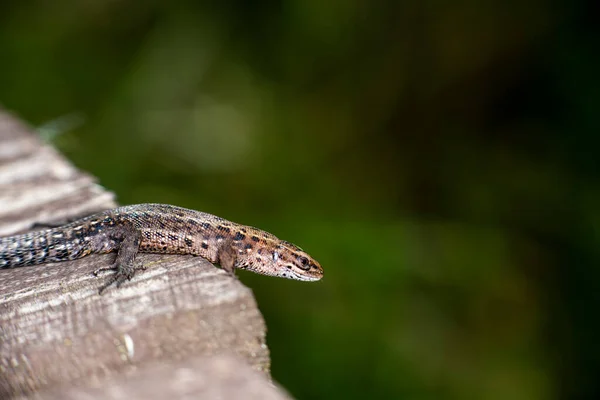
[160, 228]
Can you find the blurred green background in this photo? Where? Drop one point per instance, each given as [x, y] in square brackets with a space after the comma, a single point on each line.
[440, 159]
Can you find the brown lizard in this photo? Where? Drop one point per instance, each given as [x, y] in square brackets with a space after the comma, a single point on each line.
[160, 228]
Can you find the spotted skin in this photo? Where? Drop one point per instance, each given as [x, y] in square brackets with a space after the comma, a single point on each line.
[160, 228]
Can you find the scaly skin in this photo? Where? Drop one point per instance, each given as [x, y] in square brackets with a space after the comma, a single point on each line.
[160, 228]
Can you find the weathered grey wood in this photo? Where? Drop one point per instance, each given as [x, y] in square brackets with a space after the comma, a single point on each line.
[54, 327]
[191, 379]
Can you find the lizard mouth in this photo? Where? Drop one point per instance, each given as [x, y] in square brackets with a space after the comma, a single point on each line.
[302, 276]
[313, 278]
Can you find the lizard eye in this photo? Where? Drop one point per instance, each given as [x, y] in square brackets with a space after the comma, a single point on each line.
[304, 264]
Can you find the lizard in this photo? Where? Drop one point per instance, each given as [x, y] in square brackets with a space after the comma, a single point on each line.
[164, 229]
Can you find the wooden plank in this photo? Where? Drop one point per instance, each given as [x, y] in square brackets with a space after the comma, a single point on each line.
[54, 327]
[191, 379]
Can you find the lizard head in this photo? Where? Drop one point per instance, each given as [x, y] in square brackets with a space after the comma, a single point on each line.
[294, 263]
[282, 259]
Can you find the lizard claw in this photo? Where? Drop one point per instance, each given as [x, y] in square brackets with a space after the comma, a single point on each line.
[121, 274]
[112, 280]
[118, 279]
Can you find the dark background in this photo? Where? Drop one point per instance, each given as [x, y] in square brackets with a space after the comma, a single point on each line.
[438, 158]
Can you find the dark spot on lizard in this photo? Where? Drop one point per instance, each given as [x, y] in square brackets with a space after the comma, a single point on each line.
[62, 253]
[173, 237]
[189, 242]
[159, 235]
[205, 225]
[192, 222]
[223, 228]
[239, 236]
[248, 246]
[220, 237]
[204, 245]
[255, 239]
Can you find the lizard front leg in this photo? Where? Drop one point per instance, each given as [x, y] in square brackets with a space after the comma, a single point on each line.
[123, 267]
[227, 257]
